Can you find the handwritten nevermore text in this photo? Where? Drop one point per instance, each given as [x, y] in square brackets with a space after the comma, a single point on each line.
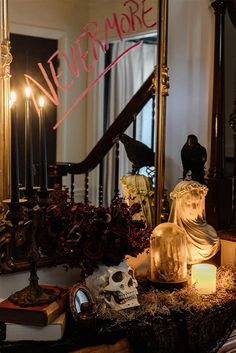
[135, 18]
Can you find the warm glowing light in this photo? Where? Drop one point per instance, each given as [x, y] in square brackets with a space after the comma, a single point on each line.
[27, 92]
[41, 102]
[12, 98]
[204, 278]
[168, 254]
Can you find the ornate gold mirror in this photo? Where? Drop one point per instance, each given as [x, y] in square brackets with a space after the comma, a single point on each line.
[78, 26]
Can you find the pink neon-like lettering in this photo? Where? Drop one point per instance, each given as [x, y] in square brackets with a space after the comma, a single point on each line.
[133, 13]
[52, 69]
[93, 36]
[125, 17]
[74, 70]
[84, 54]
[55, 75]
[27, 79]
[144, 12]
[54, 97]
[85, 92]
[108, 25]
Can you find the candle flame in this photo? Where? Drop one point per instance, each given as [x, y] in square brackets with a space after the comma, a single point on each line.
[27, 92]
[41, 102]
[12, 98]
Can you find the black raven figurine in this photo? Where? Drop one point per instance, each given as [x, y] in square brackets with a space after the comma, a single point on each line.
[139, 154]
[194, 157]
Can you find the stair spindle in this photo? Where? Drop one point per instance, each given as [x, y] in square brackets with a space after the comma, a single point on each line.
[86, 186]
[117, 169]
[100, 190]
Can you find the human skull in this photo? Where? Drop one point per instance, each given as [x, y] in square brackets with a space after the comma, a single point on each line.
[116, 285]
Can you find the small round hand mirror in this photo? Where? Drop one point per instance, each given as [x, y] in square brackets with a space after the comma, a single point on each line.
[82, 303]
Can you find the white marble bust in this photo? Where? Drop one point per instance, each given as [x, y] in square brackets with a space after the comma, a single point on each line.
[188, 212]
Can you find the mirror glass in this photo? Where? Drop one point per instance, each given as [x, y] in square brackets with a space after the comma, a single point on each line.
[80, 298]
[86, 39]
[82, 303]
[71, 52]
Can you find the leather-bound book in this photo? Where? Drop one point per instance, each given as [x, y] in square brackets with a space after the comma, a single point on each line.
[52, 332]
[40, 315]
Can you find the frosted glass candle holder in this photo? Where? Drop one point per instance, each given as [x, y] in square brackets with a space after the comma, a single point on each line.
[204, 278]
[168, 254]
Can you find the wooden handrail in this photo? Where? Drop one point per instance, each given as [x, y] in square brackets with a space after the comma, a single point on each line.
[119, 126]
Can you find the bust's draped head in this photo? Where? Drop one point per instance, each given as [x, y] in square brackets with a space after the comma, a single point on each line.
[188, 212]
[189, 198]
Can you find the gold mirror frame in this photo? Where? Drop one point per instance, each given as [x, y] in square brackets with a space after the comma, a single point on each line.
[161, 86]
[6, 59]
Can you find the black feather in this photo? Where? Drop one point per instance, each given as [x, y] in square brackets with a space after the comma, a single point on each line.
[194, 157]
[139, 154]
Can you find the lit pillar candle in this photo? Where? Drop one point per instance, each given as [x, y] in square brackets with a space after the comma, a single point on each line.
[29, 181]
[43, 165]
[204, 278]
[14, 152]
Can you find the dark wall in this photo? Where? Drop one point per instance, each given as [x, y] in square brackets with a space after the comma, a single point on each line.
[27, 51]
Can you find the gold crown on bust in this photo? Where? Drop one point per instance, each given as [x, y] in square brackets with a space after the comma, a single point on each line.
[187, 186]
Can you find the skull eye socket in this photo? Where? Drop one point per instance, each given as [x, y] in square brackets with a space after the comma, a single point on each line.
[117, 276]
[131, 273]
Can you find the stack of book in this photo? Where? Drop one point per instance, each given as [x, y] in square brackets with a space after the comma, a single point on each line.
[37, 323]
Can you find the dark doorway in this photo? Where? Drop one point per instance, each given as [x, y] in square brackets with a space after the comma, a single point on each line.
[27, 52]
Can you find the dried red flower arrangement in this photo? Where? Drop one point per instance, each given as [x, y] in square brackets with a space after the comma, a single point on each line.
[85, 236]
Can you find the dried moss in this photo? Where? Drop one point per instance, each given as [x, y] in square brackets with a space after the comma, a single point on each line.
[200, 322]
[162, 303]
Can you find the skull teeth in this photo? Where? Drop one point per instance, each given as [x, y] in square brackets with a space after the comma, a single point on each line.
[125, 296]
[121, 298]
[125, 300]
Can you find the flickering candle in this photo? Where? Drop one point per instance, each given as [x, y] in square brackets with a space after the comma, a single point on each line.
[14, 152]
[28, 144]
[204, 278]
[43, 172]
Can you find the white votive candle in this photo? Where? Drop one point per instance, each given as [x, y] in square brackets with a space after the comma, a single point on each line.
[204, 278]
